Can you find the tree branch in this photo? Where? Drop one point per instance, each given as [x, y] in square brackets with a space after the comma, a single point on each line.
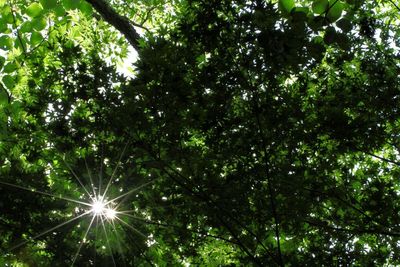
[119, 22]
[325, 225]
[167, 169]
[382, 158]
[270, 186]
[396, 6]
[16, 28]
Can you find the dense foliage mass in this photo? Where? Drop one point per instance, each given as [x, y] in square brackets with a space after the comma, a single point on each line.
[247, 133]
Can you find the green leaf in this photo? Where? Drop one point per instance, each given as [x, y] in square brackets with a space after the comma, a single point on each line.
[286, 6]
[36, 38]
[335, 10]
[320, 6]
[316, 48]
[34, 10]
[301, 9]
[316, 23]
[2, 60]
[7, 15]
[3, 97]
[39, 23]
[48, 4]
[10, 67]
[86, 8]
[20, 43]
[343, 41]
[70, 4]
[6, 11]
[330, 36]
[26, 27]
[59, 11]
[356, 185]
[3, 25]
[344, 24]
[5, 42]
[8, 81]
[299, 14]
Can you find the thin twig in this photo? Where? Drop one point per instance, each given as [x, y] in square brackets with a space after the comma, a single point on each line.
[147, 15]
[140, 26]
[356, 231]
[16, 27]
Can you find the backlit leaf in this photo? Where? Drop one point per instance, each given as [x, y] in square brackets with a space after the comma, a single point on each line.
[2, 60]
[3, 97]
[26, 27]
[39, 23]
[48, 4]
[3, 25]
[286, 5]
[335, 10]
[34, 10]
[36, 38]
[10, 67]
[5, 42]
[320, 6]
[70, 4]
[59, 11]
[86, 8]
[8, 81]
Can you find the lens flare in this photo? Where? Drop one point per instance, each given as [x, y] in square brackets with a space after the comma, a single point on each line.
[100, 207]
[111, 214]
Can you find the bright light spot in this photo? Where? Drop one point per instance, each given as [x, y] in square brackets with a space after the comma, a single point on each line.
[98, 207]
[110, 213]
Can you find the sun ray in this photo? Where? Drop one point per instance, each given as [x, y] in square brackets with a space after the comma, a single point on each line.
[115, 169]
[131, 227]
[147, 221]
[45, 193]
[126, 213]
[102, 209]
[90, 177]
[49, 230]
[129, 192]
[118, 241]
[101, 168]
[77, 178]
[83, 240]
[108, 241]
[95, 239]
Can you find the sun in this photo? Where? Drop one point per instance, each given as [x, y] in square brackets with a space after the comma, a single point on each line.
[101, 207]
[98, 207]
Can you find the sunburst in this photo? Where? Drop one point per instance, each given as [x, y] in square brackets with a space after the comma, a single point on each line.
[97, 205]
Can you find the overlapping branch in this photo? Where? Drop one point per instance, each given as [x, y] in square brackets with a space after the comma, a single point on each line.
[119, 22]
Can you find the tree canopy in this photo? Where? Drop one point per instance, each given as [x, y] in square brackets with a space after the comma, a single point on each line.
[245, 133]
